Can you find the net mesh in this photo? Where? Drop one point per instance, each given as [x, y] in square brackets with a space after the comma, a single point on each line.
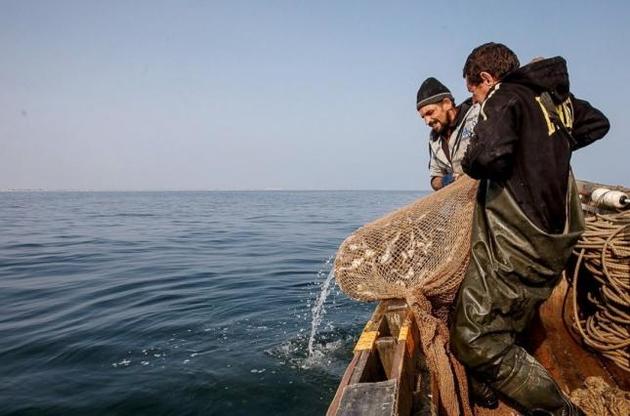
[419, 253]
[597, 398]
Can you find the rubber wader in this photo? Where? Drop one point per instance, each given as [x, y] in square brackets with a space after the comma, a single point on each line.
[514, 267]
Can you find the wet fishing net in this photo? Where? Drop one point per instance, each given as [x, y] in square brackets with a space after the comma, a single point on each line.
[419, 253]
[597, 398]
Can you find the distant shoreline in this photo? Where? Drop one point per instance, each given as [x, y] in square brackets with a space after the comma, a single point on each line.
[208, 190]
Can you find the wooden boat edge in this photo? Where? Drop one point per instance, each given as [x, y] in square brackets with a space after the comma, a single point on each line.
[550, 341]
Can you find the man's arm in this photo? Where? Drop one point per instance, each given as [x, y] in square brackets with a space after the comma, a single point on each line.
[489, 154]
[435, 171]
[589, 124]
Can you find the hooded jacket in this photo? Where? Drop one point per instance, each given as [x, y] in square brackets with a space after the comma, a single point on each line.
[521, 146]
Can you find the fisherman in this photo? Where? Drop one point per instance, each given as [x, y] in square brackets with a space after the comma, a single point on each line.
[527, 219]
[451, 128]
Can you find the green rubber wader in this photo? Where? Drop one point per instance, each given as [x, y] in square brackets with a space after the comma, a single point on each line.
[514, 267]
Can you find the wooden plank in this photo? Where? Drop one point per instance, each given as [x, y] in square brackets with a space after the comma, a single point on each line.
[334, 405]
[395, 316]
[554, 347]
[366, 341]
[365, 363]
[586, 188]
[404, 364]
[368, 368]
[377, 317]
[386, 347]
[369, 399]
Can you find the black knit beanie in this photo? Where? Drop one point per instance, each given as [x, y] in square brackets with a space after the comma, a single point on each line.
[432, 91]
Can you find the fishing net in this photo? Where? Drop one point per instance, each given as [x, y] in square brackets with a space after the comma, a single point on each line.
[419, 253]
[597, 398]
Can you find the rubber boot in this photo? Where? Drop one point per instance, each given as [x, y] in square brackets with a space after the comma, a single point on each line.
[570, 410]
[522, 379]
[481, 394]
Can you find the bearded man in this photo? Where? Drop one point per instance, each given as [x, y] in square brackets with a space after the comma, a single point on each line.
[451, 128]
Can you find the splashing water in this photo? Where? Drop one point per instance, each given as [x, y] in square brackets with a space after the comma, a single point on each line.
[319, 310]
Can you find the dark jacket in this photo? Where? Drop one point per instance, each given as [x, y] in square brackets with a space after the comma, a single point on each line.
[518, 145]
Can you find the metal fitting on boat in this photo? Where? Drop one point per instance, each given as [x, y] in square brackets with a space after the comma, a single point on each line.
[607, 198]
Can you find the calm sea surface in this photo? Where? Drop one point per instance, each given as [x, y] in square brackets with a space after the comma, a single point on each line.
[176, 303]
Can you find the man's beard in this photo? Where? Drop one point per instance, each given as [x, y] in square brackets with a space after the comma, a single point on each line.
[440, 130]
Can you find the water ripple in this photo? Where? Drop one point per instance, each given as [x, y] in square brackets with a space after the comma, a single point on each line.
[162, 303]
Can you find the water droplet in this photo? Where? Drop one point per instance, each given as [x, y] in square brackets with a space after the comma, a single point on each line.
[319, 310]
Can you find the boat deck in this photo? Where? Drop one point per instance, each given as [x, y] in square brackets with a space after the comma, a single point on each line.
[388, 376]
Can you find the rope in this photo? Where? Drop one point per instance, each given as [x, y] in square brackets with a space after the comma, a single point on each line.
[604, 250]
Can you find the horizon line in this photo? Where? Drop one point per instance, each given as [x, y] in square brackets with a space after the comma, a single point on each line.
[9, 190]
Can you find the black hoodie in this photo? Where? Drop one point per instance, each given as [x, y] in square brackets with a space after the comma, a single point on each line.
[517, 143]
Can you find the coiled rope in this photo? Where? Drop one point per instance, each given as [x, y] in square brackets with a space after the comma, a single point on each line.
[604, 250]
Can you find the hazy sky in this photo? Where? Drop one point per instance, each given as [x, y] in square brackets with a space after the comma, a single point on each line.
[135, 95]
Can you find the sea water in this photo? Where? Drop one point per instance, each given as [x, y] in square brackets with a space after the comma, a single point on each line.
[177, 303]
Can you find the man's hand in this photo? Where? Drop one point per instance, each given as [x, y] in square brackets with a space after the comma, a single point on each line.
[439, 182]
[436, 183]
